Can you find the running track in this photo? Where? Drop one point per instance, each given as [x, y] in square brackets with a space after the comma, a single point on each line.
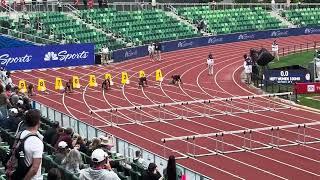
[295, 162]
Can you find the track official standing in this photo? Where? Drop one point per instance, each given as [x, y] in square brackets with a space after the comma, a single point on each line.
[275, 49]
[157, 48]
[317, 63]
[210, 63]
[247, 68]
[151, 51]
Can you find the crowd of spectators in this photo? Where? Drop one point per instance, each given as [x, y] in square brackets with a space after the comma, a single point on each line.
[17, 115]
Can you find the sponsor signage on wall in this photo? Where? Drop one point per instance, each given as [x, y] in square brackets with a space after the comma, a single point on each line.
[37, 57]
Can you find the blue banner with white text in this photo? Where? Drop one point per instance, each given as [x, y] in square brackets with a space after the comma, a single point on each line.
[135, 52]
[51, 56]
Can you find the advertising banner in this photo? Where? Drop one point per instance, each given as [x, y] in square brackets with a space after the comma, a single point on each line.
[38, 57]
[131, 53]
[307, 88]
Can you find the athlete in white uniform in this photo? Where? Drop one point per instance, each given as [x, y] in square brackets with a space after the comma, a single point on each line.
[275, 49]
[210, 63]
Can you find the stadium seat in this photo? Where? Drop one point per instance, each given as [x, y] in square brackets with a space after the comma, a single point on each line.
[231, 20]
[303, 16]
[140, 27]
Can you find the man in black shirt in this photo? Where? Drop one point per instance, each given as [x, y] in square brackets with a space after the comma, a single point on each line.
[49, 134]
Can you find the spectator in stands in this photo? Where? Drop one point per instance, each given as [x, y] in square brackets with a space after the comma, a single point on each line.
[8, 79]
[3, 75]
[72, 161]
[12, 121]
[172, 172]
[4, 103]
[200, 25]
[34, 5]
[8, 90]
[66, 137]
[61, 153]
[100, 170]
[26, 103]
[100, 3]
[85, 4]
[54, 174]
[81, 145]
[56, 137]
[273, 5]
[153, 4]
[105, 3]
[49, 134]
[33, 145]
[59, 5]
[275, 49]
[213, 4]
[45, 5]
[95, 144]
[75, 137]
[106, 143]
[138, 160]
[151, 173]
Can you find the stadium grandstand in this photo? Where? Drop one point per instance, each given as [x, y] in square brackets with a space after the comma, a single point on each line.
[159, 89]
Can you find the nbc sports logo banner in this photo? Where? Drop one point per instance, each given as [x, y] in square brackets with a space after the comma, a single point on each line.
[50, 56]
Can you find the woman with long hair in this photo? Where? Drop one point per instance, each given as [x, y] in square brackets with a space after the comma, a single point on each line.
[73, 161]
[172, 172]
[95, 144]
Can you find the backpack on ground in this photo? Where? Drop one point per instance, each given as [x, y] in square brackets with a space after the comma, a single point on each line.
[16, 168]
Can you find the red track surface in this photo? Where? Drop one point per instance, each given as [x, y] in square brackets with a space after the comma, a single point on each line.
[295, 162]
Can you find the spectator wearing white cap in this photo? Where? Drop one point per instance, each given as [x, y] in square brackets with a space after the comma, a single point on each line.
[100, 170]
[61, 153]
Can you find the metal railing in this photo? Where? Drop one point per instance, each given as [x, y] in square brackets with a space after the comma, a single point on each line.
[132, 6]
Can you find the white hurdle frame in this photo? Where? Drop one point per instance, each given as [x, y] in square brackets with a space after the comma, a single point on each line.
[190, 102]
[247, 139]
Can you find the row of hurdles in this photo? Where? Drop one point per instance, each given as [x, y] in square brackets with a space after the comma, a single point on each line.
[75, 81]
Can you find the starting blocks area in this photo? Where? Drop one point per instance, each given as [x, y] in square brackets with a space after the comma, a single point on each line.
[92, 81]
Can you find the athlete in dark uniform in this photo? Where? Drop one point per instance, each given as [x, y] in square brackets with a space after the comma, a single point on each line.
[176, 79]
[106, 84]
[143, 82]
[68, 88]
